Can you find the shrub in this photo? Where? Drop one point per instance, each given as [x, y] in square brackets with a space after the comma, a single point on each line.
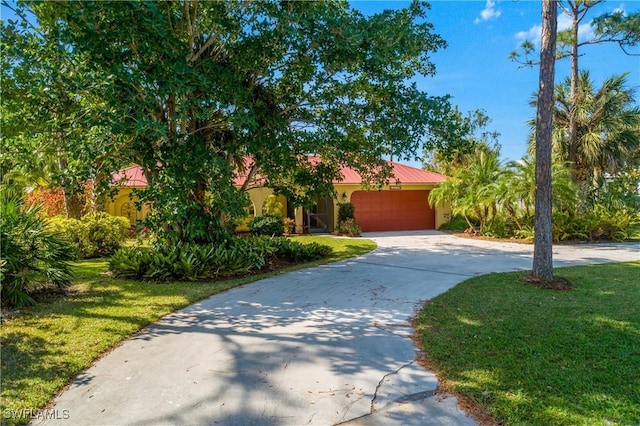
[501, 227]
[599, 223]
[349, 227]
[52, 200]
[457, 223]
[297, 251]
[345, 211]
[272, 207]
[33, 256]
[268, 225]
[193, 262]
[95, 235]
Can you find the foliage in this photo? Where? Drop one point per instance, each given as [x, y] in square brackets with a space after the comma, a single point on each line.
[349, 227]
[301, 252]
[346, 211]
[615, 27]
[51, 200]
[515, 192]
[619, 191]
[456, 223]
[53, 122]
[272, 206]
[94, 235]
[196, 262]
[607, 132]
[509, 195]
[455, 148]
[268, 225]
[248, 90]
[598, 223]
[538, 357]
[33, 257]
[470, 189]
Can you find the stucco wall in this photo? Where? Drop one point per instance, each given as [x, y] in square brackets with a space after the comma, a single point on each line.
[116, 206]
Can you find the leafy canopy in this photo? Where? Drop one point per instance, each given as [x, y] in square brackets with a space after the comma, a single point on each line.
[204, 93]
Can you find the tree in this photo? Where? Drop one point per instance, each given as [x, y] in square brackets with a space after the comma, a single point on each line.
[543, 249]
[471, 189]
[455, 145]
[204, 92]
[51, 131]
[516, 190]
[607, 130]
[613, 27]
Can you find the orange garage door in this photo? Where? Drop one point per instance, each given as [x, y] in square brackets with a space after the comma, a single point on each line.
[393, 210]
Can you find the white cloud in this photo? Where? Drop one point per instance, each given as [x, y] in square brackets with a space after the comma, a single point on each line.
[585, 31]
[621, 9]
[489, 12]
[534, 34]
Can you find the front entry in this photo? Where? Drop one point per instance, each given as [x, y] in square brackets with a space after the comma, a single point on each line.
[318, 219]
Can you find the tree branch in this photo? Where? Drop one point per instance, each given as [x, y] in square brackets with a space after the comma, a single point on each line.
[23, 17]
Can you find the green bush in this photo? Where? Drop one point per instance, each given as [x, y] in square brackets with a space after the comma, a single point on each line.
[34, 257]
[299, 252]
[272, 207]
[194, 262]
[598, 223]
[131, 262]
[349, 227]
[457, 223]
[268, 225]
[95, 235]
[501, 226]
[346, 211]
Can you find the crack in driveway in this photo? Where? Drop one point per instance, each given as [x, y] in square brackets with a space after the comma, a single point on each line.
[380, 383]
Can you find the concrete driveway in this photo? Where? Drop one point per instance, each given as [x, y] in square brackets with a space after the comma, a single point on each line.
[320, 346]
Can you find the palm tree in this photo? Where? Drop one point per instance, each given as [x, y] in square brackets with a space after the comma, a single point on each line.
[608, 129]
[471, 189]
[516, 189]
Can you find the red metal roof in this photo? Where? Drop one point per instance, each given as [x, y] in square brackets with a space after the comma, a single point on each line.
[132, 177]
[403, 174]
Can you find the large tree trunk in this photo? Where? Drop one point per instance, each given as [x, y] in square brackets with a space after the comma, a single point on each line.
[543, 250]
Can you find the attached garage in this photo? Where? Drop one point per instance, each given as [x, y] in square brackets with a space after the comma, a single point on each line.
[402, 210]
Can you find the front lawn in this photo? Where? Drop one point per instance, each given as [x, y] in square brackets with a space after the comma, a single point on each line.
[46, 346]
[531, 356]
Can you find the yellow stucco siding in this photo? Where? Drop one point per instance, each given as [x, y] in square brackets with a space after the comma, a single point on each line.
[258, 197]
[124, 205]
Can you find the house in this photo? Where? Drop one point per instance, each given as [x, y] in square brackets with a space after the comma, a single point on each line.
[402, 205]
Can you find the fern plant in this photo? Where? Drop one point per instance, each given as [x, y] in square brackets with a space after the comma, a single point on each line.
[33, 257]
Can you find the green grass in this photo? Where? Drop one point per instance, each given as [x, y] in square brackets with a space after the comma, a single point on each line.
[46, 346]
[532, 356]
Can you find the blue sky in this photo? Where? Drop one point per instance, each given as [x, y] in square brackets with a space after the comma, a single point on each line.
[475, 68]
